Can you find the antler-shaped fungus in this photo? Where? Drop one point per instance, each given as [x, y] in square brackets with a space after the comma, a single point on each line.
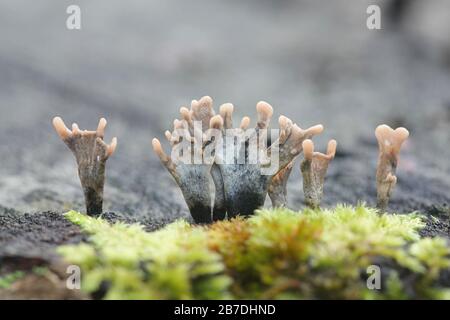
[246, 181]
[192, 158]
[277, 187]
[238, 173]
[203, 111]
[314, 168]
[239, 158]
[389, 143]
[91, 153]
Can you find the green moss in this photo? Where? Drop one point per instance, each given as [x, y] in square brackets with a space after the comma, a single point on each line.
[40, 271]
[173, 263]
[272, 255]
[8, 280]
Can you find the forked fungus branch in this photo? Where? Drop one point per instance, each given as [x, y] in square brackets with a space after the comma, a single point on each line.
[314, 168]
[91, 153]
[244, 184]
[389, 143]
[246, 187]
[278, 185]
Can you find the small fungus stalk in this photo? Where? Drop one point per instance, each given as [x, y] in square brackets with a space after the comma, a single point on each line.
[314, 168]
[278, 184]
[389, 143]
[91, 153]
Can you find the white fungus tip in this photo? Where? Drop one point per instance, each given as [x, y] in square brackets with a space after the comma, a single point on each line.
[112, 147]
[216, 122]
[101, 127]
[331, 149]
[177, 124]
[184, 112]
[75, 128]
[168, 135]
[402, 133]
[205, 101]
[226, 112]
[308, 149]
[317, 129]
[264, 108]
[265, 112]
[381, 131]
[57, 120]
[157, 147]
[245, 122]
[283, 121]
[388, 136]
[194, 104]
[226, 109]
[61, 128]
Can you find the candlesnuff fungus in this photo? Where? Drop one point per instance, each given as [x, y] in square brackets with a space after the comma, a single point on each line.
[277, 187]
[389, 143]
[192, 171]
[246, 182]
[235, 160]
[243, 183]
[314, 168]
[91, 153]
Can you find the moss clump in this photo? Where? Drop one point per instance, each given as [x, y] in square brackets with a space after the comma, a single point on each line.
[274, 254]
[8, 280]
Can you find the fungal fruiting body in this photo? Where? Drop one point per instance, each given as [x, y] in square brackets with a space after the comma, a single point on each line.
[246, 173]
[314, 168]
[91, 153]
[278, 184]
[239, 160]
[389, 143]
[191, 158]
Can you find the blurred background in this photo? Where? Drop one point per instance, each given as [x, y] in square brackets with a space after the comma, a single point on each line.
[137, 62]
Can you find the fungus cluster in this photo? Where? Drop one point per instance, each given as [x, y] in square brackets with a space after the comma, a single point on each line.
[91, 153]
[242, 165]
[224, 171]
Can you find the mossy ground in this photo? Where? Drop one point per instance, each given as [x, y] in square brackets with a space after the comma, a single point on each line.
[8, 279]
[274, 254]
